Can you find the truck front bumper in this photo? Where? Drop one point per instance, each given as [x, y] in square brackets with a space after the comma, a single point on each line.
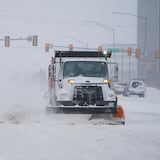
[109, 107]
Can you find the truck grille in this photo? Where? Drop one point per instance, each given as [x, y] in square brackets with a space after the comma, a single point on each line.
[88, 95]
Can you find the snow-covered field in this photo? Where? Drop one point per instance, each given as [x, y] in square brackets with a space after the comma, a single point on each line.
[28, 133]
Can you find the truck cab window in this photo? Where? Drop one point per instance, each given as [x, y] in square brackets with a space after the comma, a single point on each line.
[85, 68]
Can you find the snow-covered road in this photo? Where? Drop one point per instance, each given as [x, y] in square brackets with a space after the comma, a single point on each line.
[28, 133]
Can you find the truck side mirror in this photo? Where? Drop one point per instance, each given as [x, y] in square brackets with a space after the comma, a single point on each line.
[113, 71]
[116, 72]
[109, 53]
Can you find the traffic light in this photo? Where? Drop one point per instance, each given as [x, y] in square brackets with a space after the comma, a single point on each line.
[138, 53]
[100, 48]
[70, 47]
[47, 47]
[157, 54]
[149, 66]
[35, 41]
[7, 41]
[129, 50]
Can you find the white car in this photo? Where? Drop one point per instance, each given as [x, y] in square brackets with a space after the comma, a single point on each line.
[118, 87]
[135, 87]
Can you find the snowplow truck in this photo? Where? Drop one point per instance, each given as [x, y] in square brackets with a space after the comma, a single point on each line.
[79, 82]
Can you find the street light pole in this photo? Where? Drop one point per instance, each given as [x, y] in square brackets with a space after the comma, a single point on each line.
[77, 40]
[105, 27]
[145, 25]
[145, 29]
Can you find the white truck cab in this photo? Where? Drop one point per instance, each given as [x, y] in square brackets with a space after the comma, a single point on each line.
[79, 81]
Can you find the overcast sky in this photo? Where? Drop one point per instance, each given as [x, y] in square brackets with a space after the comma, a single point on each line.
[69, 21]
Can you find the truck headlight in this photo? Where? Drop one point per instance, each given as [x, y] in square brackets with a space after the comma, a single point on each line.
[70, 81]
[107, 81]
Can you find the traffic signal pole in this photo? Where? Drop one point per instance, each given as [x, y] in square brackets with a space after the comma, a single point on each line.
[7, 40]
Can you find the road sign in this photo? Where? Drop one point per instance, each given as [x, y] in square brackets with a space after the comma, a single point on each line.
[114, 50]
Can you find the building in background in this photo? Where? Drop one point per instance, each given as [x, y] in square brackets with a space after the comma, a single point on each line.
[148, 40]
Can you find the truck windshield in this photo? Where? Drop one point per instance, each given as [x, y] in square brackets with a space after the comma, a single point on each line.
[85, 68]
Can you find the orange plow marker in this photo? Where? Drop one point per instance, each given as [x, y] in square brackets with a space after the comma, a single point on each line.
[120, 114]
[112, 119]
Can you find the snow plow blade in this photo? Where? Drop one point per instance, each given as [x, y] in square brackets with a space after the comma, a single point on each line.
[80, 110]
[112, 119]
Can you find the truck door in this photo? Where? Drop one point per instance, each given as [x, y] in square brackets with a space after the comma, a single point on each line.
[113, 71]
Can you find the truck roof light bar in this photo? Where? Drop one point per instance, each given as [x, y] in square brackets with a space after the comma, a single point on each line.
[82, 54]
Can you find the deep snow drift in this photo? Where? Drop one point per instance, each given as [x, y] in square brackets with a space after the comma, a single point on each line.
[28, 133]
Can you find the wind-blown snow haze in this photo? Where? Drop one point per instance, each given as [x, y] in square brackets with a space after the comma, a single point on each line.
[27, 132]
